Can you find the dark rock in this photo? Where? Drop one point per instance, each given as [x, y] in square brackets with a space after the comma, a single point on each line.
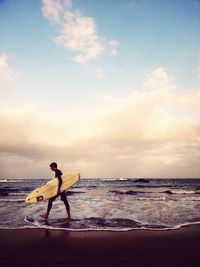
[168, 192]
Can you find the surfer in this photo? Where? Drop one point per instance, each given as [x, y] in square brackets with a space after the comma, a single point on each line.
[58, 175]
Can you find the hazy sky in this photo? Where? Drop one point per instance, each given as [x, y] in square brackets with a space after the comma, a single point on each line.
[107, 88]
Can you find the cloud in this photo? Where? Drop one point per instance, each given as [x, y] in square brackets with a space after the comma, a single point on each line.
[7, 74]
[112, 45]
[151, 132]
[53, 9]
[77, 32]
[99, 73]
[159, 78]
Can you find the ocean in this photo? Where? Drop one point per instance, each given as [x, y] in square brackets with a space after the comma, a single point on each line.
[105, 205]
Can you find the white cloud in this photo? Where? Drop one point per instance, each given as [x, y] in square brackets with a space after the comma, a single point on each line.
[77, 32]
[113, 44]
[159, 78]
[152, 133]
[99, 73]
[7, 74]
[53, 9]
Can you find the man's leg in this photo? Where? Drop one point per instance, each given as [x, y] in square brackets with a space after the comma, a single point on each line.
[64, 199]
[50, 202]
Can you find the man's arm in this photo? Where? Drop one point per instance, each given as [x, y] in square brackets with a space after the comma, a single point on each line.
[58, 175]
[59, 184]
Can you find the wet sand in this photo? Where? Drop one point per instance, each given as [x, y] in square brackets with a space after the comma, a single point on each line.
[40, 247]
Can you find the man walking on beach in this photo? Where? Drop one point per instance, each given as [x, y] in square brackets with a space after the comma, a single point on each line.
[58, 175]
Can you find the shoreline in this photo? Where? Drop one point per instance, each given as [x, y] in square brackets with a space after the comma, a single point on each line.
[51, 228]
[42, 247]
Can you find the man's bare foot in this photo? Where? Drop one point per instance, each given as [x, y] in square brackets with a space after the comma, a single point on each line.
[44, 216]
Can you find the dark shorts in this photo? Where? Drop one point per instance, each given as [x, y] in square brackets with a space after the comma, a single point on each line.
[62, 197]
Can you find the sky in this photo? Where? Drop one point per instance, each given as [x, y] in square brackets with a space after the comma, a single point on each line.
[106, 88]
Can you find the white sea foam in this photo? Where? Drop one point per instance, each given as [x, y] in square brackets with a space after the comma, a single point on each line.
[11, 180]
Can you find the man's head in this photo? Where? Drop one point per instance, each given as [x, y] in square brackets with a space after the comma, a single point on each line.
[53, 166]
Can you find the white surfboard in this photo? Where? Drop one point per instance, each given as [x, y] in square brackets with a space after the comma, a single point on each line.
[50, 189]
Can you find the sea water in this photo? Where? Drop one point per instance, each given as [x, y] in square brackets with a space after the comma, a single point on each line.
[105, 204]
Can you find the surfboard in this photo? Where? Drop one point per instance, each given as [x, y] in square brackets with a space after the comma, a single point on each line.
[50, 188]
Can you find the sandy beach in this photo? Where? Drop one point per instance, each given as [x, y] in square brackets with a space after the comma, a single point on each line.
[40, 247]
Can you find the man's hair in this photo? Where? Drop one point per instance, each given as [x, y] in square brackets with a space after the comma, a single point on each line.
[53, 164]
